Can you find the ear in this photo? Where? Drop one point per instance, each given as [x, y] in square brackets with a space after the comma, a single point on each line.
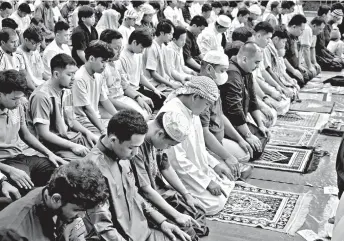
[56, 199]
[113, 138]
[92, 58]
[161, 133]
[55, 74]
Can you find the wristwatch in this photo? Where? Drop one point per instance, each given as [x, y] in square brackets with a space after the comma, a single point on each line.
[265, 97]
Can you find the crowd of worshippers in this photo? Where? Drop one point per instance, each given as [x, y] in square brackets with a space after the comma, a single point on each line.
[132, 120]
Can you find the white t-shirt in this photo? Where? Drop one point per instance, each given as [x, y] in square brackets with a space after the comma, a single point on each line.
[34, 65]
[131, 64]
[88, 90]
[125, 33]
[23, 23]
[14, 61]
[51, 51]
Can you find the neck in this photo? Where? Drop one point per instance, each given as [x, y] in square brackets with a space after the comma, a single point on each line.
[159, 40]
[151, 130]
[185, 100]
[204, 73]
[2, 107]
[126, 24]
[25, 48]
[55, 84]
[129, 48]
[107, 143]
[89, 69]
[7, 52]
[58, 43]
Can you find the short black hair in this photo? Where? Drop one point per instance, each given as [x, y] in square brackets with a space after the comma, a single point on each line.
[5, 34]
[83, 3]
[163, 26]
[297, 20]
[264, 26]
[233, 48]
[126, 123]
[280, 32]
[36, 21]
[178, 31]
[103, 3]
[33, 33]
[337, 6]
[137, 3]
[60, 26]
[85, 12]
[109, 34]
[318, 21]
[155, 5]
[12, 80]
[323, 9]
[25, 8]
[274, 5]
[233, 4]
[142, 37]
[9, 23]
[60, 61]
[99, 49]
[79, 182]
[242, 34]
[243, 12]
[206, 8]
[5, 5]
[287, 4]
[216, 5]
[199, 21]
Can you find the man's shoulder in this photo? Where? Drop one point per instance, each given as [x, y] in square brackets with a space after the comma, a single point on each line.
[24, 210]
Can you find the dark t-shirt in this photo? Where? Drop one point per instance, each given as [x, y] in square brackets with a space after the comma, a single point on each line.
[191, 49]
[81, 38]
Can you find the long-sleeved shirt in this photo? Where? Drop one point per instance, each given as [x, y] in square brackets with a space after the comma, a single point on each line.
[125, 216]
[237, 94]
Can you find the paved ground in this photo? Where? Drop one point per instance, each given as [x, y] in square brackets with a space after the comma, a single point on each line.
[314, 183]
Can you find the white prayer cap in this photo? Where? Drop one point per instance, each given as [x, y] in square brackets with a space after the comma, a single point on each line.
[131, 13]
[147, 9]
[183, 1]
[224, 21]
[176, 125]
[255, 9]
[216, 57]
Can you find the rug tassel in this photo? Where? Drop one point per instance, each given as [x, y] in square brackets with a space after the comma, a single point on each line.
[301, 214]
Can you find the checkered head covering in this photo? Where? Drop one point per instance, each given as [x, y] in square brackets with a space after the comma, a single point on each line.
[176, 125]
[200, 85]
[337, 12]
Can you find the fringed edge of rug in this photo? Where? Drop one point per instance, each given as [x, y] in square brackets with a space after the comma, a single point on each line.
[300, 213]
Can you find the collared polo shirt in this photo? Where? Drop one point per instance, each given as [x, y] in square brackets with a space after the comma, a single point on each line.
[10, 124]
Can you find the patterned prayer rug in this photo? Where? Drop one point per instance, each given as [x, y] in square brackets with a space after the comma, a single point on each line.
[298, 119]
[268, 209]
[284, 158]
[284, 136]
[312, 106]
[313, 96]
